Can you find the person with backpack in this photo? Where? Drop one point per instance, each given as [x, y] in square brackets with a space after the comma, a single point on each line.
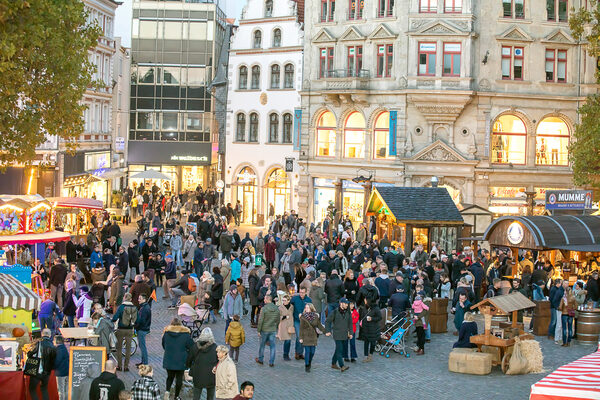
[45, 351]
[126, 315]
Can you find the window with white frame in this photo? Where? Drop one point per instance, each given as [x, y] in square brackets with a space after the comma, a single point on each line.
[240, 128]
[255, 84]
[277, 38]
[452, 6]
[288, 77]
[243, 78]
[273, 128]
[275, 76]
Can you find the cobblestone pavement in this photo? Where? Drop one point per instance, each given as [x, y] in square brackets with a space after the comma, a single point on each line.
[418, 377]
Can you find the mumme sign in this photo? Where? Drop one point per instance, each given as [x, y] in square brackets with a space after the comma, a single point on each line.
[568, 199]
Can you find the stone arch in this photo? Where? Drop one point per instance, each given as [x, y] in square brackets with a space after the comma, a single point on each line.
[342, 120]
[319, 112]
[373, 116]
[570, 123]
[529, 126]
[238, 168]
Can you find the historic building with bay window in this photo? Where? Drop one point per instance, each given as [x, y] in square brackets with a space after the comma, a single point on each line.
[265, 70]
[482, 95]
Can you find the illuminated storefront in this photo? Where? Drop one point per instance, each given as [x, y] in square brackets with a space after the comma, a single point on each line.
[187, 164]
[509, 140]
[278, 191]
[247, 194]
[324, 197]
[552, 141]
[507, 200]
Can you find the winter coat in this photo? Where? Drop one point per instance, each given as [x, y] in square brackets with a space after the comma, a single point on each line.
[334, 288]
[459, 313]
[226, 273]
[104, 328]
[369, 330]
[308, 329]
[270, 251]
[232, 306]
[204, 287]
[235, 335]
[253, 288]
[399, 302]
[467, 329]
[299, 305]
[225, 242]
[317, 294]
[286, 321]
[216, 291]
[127, 308]
[189, 247]
[268, 320]
[367, 292]
[139, 288]
[351, 289]
[382, 282]
[48, 355]
[145, 388]
[226, 383]
[201, 360]
[339, 324]
[144, 318]
[61, 362]
[176, 342]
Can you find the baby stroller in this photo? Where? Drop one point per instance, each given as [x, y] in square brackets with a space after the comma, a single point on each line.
[397, 336]
[194, 317]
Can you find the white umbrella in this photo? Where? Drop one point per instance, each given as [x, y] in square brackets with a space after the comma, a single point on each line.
[151, 174]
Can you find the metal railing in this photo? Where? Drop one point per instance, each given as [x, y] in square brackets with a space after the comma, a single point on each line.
[348, 73]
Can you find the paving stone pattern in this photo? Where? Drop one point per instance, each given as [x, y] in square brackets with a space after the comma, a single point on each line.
[418, 377]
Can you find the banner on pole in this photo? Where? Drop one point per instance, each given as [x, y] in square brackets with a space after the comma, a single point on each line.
[393, 128]
[297, 125]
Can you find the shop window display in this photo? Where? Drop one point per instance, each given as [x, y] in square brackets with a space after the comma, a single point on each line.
[552, 141]
[382, 136]
[278, 191]
[246, 194]
[509, 139]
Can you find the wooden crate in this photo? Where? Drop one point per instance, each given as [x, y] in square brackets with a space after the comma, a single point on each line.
[470, 362]
[439, 323]
[540, 325]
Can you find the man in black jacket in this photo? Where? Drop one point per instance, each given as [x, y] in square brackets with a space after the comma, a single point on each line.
[334, 289]
[48, 356]
[339, 323]
[134, 259]
[71, 250]
[326, 263]
[593, 288]
[399, 301]
[368, 292]
[142, 326]
[107, 386]
[58, 274]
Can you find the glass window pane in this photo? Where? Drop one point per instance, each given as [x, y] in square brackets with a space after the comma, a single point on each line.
[457, 64]
[146, 74]
[145, 120]
[549, 70]
[519, 9]
[431, 69]
[148, 29]
[196, 76]
[169, 121]
[193, 121]
[355, 120]
[506, 68]
[173, 30]
[447, 63]
[518, 73]
[561, 74]
[327, 119]
[171, 75]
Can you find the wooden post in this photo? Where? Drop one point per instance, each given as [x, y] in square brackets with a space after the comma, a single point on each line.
[515, 317]
[515, 269]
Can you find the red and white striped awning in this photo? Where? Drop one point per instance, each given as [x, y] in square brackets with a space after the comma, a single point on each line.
[15, 295]
[577, 380]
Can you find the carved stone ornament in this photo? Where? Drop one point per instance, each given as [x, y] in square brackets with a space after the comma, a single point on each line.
[438, 153]
[439, 29]
[417, 23]
[484, 84]
[263, 98]
[402, 82]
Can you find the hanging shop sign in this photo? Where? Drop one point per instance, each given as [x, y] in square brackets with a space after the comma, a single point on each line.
[515, 233]
[568, 199]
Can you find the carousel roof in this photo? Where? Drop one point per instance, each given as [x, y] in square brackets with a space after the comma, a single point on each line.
[33, 238]
[23, 201]
[77, 202]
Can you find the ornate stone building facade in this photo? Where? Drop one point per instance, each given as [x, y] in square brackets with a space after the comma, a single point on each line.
[482, 95]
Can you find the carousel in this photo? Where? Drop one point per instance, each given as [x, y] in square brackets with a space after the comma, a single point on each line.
[74, 214]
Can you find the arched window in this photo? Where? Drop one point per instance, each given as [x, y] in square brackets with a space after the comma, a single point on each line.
[240, 130]
[287, 128]
[354, 136]
[382, 136]
[277, 38]
[551, 142]
[246, 194]
[278, 191]
[255, 84]
[269, 8]
[275, 76]
[509, 140]
[288, 79]
[326, 126]
[253, 127]
[273, 128]
[243, 79]
[257, 42]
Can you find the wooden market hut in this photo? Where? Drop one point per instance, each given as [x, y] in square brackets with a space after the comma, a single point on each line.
[416, 214]
[571, 235]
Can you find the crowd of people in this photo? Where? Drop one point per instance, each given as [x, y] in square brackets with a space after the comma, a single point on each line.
[293, 283]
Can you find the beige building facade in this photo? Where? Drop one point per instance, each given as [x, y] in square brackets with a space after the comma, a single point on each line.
[481, 95]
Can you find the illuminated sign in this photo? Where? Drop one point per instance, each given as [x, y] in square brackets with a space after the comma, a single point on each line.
[568, 199]
[515, 233]
[189, 158]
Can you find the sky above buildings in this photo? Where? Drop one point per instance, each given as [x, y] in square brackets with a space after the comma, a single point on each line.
[233, 9]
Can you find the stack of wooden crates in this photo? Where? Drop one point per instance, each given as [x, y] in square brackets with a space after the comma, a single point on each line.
[541, 318]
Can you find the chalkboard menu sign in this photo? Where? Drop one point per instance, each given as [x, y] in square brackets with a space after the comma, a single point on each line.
[80, 359]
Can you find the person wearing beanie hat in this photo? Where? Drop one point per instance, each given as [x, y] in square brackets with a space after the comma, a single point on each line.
[202, 359]
[339, 325]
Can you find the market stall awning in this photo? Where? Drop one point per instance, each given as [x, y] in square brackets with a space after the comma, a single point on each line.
[415, 205]
[577, 380]
[507, 303]
[565, 232]
[110, 173]
[32, 238]
[77, 202]
[81, 179]
[15, 295]
[151, 174]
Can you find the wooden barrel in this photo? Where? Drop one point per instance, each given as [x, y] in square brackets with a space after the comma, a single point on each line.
[496, 319]
[588, 326]
[438, 315]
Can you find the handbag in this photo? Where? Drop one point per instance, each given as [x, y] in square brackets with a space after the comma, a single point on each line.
[291, 330]
[32, 365]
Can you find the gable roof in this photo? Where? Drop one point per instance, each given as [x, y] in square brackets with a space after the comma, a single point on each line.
[352, 34]
[382, 32]
[440, 28]
[515, 33]
[415, 204]
[323, 36]
[439, 151]
[507, 303]
[559, 36]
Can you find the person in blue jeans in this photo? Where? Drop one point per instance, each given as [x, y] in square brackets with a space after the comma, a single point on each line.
[48, 310]
[268, 322]
[555, 296]
[309, 323]
[568, 305]
[352, 341]
[339, 325]
[299, 301]
[142, 326]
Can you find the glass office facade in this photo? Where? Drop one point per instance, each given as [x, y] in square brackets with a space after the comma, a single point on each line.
[175, 46]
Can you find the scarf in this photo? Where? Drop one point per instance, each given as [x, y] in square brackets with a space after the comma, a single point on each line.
[310, 316]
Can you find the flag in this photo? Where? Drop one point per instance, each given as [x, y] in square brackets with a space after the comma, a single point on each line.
[153, 295]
